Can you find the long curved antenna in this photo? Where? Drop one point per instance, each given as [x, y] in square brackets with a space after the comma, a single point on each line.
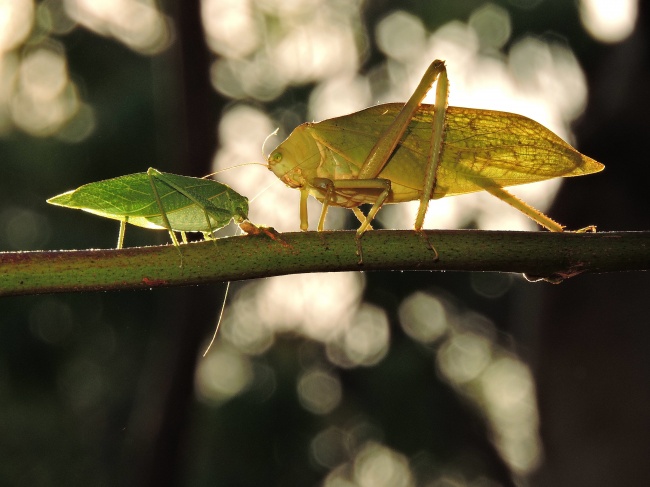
[216, 330]
[233, 167]
[272, 134]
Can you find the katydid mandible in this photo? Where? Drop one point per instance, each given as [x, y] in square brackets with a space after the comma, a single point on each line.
[394, 153]
[161, 201]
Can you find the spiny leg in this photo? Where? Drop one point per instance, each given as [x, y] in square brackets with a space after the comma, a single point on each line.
[200, 202]
[437, 139]
[435, 150]
[388, 141]
[533, 213]
[525, 208]
[390, 138]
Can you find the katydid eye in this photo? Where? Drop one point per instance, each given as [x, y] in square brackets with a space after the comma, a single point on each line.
[276, 157]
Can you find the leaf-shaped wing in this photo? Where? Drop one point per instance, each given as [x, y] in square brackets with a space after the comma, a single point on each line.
[131, 198]
[482, 148]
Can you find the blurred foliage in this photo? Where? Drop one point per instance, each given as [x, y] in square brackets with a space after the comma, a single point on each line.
[380, 379]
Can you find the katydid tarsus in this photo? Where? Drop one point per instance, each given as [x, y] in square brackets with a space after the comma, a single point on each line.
[403, 152]
[161, 201]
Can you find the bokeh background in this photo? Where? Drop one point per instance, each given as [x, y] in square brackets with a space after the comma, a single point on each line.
[351, 379]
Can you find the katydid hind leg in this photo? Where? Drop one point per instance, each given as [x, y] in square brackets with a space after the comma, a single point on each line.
[532, 213]
[436, 146]
[152, 173]
[388, 141]
[390, 138]
[200, 202]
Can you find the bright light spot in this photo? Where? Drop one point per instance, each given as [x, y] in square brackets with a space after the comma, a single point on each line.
[492, 25]
[136, 23]
[553, 73]
[318, 306]
[464, 356]
[36, 93]
[365, 341]
[241, 326]
[267, 45]
[423, 317]
[319, 50]
[609, 21]
[242, 131]
[472, 361]
[230, 26]
[237, 78]
[509, 393]
[45, 98]
[335, 97]
[16, 19]
[401, 35]
[378, 466]
[43, 73]
[222, 374]
[319, 391]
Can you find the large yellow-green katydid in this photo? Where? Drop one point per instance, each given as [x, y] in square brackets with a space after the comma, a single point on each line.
[161, 201]
[393, 153]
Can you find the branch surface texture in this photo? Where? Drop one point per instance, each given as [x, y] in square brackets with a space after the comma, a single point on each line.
[551, 256]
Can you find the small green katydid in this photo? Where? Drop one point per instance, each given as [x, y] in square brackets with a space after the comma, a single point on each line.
[394, 153]
[162, 201]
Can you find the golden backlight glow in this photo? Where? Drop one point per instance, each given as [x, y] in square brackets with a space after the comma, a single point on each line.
[262, 48]
[265, 47]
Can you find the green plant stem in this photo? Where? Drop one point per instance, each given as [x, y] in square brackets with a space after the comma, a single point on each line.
[554, 256]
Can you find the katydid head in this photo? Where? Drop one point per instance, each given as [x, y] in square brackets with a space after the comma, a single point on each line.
[280, 162]
[289, 161]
